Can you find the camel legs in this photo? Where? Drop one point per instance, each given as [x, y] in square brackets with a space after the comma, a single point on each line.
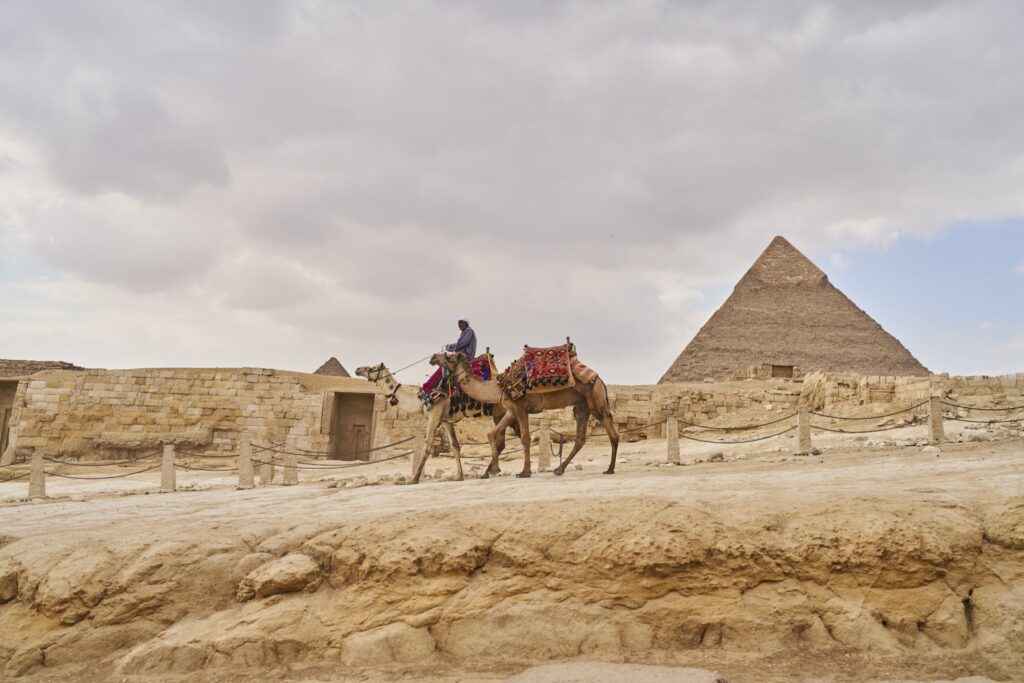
[434, 415]
[613, 436]
[492, 438]
[449, 429]
[523, 418]
[582, 415]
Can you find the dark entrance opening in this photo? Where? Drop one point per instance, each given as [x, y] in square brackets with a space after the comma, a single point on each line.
[7, 392]
[352, 426]
[783, 371]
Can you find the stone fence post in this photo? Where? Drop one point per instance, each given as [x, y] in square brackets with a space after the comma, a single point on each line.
[803, 421]
[167, 478]
[936, 429]
[246, 477]
[266, 465]
[7, 457]
[672, 440]
[290, 476]
[544, 446]
[37, 477]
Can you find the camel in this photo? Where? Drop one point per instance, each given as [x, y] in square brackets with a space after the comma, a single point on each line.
[436, 414]
[585, 400]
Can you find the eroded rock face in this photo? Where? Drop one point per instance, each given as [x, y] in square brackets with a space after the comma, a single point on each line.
[506, 584]
[293, 572]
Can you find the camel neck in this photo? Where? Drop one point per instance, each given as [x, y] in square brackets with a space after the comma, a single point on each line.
[474, 387]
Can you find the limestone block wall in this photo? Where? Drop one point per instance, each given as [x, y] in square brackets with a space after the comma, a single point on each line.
[118, 413]
[637, 405]
[114, 413]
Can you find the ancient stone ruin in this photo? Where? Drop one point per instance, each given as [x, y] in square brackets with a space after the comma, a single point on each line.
[333, 368]
[784, 318]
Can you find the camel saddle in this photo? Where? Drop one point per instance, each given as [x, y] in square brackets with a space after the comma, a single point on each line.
[440, 385]
[542, 370]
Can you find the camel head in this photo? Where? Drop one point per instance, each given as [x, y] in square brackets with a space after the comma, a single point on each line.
[448, 361]
[372, 373]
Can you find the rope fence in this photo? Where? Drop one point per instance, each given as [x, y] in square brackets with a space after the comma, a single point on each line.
[275, 456]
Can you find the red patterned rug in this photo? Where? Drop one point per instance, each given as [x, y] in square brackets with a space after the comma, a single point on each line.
[547, 369]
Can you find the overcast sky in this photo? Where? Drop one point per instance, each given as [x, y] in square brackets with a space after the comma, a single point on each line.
[272, 183]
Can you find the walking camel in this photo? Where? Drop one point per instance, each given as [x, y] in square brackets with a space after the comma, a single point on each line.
[585, 399]
[437, 414]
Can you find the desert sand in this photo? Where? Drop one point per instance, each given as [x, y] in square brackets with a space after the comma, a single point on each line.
[866, 563]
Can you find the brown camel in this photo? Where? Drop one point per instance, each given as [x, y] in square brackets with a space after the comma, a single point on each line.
[436, 414]
[585, 399]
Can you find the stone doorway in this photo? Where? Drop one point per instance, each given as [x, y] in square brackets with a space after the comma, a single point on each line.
[352, 426]
[782, 371]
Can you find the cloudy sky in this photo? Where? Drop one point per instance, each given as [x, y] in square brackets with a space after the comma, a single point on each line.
[272, 183]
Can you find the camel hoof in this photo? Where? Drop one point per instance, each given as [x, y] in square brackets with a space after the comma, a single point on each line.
[558, 471]
[609, 471]
[459, 478]
[485, 475]
[524, 475]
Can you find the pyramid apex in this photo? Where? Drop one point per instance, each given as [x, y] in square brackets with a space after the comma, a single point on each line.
[782, 264]
[332, 367]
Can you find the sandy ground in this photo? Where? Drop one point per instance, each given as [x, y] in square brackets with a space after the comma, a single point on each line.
[861, 564]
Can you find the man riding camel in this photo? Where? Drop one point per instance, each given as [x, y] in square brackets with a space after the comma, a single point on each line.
[466, 343]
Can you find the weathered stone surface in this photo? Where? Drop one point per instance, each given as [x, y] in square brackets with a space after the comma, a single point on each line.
[289, 574]
[394, 643]
[603, 672]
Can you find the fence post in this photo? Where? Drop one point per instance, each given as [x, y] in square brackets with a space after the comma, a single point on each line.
[544, 446]
[266, 465]
[37, 477]
[936, 430]
[418, 444]
[803, 421]
[245, 474]
[167, 481]
[672, 440]
[290, 476]
[7, 457]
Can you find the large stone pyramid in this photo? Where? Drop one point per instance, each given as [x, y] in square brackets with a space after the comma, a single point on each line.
[332, 367]
[785, 312]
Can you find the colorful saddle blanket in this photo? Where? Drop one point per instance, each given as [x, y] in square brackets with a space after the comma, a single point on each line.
[539, 371]
[441, 385]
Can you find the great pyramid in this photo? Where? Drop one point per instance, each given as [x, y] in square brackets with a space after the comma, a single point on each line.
[332, 367]
[785, 312]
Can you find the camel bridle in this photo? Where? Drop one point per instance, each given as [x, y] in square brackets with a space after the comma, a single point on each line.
[392, 398]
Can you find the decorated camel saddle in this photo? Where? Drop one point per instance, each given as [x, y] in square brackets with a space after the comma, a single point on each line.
[440, 386]
[540, 370]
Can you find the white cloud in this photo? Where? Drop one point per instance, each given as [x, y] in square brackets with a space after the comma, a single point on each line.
[839, 261]
[352, 175]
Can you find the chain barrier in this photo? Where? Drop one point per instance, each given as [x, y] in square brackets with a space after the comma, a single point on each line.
[330, 467]
[712, 428]
[988, 410]
[20, 476]
[982, 422]
[861, 431]
[871, 417]
[113, 476]
[205, 469]
[724, 443]
[275, 448]
[99, 464]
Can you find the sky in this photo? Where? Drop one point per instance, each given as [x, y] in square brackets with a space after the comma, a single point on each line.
[191, 183]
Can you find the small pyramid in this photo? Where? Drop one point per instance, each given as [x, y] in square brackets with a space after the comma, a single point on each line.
[332, 367]
[785, 312]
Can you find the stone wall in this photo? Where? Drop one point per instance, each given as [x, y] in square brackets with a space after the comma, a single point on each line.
[114, 413]
[117, 413]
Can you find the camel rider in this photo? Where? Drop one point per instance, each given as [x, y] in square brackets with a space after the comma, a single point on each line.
[466, 343]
